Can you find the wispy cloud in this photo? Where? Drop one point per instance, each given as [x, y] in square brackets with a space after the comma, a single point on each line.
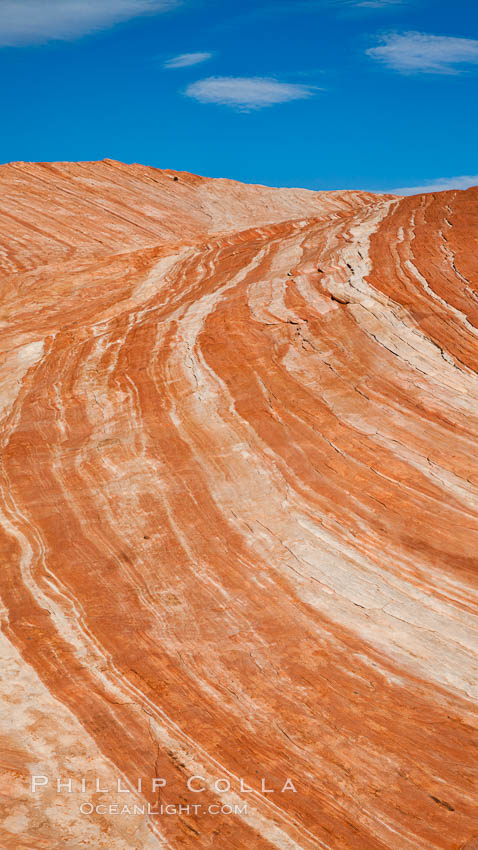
[412, 52]
[33, 21]
[317, 5]
[247, 93]
[442, 184]
[375, 4]
[186, 59]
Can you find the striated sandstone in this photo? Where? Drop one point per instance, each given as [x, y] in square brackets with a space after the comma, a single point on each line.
[238, 510]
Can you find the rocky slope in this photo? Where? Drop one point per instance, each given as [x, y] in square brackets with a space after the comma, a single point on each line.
[238, 513]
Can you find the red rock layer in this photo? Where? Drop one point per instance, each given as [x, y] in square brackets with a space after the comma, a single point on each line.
[238, 509]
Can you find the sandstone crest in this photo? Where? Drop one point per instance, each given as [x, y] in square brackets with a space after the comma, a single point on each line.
[238, 511]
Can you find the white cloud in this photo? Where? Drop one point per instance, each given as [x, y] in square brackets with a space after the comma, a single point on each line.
[416, 51]
[442, 184]
[186, 59]
[247, 93]
[377, 4]
[32, 21]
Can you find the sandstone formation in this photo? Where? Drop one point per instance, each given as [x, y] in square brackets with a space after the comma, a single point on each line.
[238, 512]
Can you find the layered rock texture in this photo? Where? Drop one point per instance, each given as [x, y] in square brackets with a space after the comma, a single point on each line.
[238, 513]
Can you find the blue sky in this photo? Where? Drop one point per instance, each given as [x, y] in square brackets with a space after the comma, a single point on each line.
[325, 94]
